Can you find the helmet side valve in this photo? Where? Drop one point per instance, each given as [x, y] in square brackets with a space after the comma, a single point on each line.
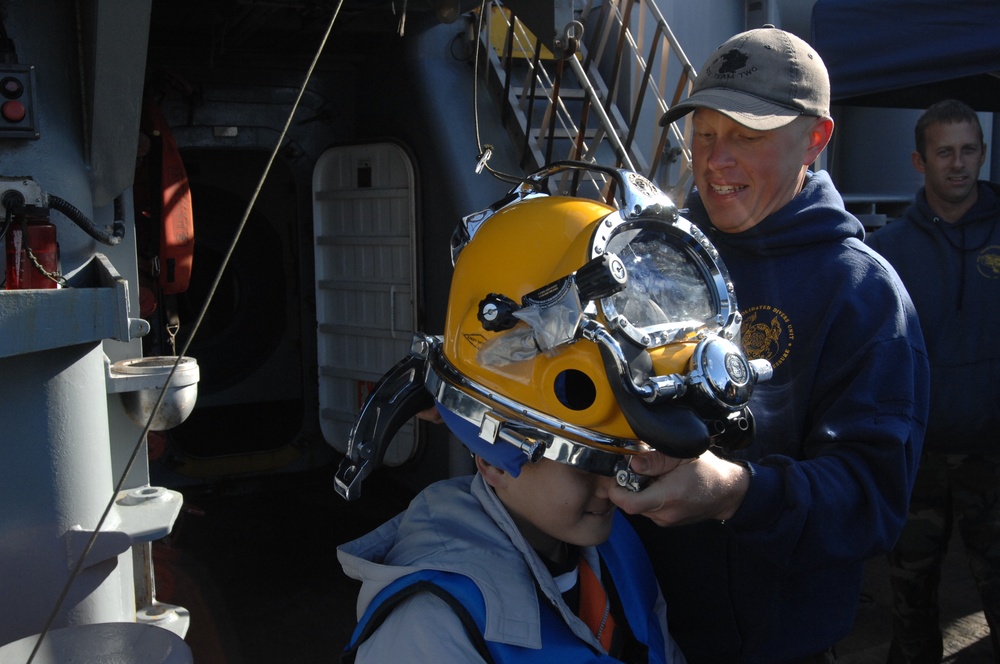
[761, 370]
[492, 429]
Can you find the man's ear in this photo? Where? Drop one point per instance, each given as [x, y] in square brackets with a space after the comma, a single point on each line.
[918, 161]
[819, 137]
[495, 477]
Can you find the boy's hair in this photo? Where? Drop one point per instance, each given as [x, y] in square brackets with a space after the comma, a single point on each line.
[948, 111]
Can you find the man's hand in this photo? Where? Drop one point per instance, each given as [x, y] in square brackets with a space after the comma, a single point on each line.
[685, 490]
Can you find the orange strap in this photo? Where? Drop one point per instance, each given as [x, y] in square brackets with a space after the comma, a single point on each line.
[595, 608]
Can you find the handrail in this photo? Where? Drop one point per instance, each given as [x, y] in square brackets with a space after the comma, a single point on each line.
[580, 115]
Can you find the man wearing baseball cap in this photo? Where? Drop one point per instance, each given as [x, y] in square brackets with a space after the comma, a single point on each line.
[761, 552]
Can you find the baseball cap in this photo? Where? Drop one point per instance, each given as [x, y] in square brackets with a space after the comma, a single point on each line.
[762, 78]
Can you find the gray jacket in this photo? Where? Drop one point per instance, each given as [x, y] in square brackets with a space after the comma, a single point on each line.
[460, 526]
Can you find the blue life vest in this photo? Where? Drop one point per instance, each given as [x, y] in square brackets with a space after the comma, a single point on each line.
[626, 561]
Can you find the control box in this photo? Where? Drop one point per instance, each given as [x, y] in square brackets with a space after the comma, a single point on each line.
[17, 101]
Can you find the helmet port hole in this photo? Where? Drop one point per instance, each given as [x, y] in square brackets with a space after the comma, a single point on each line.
[575, 389]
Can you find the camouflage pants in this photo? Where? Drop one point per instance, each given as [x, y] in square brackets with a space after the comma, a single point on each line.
[950, 489]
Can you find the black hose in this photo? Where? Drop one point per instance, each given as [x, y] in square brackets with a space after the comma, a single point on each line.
[8, 218]
[111, 239]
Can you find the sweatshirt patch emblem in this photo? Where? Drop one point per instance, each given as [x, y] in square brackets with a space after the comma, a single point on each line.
[767, 334]
[988, 262]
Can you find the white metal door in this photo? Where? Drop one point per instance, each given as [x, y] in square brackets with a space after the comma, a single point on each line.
[364, 239]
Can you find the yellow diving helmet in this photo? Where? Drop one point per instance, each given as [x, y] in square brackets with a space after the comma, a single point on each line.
[580, 332]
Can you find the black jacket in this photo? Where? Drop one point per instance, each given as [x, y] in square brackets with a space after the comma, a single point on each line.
[952, 272]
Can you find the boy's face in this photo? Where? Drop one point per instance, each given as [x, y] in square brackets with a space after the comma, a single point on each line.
[553, 503]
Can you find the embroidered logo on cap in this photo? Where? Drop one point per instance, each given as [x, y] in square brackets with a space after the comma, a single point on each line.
[732, 62]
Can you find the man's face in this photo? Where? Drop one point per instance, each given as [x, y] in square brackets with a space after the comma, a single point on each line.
[953, 156]
[744, 175]
[552, 502]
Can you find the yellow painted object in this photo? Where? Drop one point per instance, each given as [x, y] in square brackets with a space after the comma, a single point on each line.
[522, 248]
[524, 39]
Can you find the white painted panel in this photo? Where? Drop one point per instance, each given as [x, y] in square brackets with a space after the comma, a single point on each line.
[365, 247]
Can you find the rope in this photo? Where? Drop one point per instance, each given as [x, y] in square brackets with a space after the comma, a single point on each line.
[485, 152]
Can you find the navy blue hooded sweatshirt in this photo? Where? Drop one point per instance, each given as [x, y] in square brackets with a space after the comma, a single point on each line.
[952, 272]
[839, 430]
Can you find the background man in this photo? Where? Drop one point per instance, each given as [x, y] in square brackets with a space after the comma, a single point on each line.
[946, 248]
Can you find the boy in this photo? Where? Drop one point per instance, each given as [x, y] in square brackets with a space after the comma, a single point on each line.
[524, 541]
[577, 336]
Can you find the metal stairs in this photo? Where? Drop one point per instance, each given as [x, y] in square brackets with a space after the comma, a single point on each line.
[601, 100]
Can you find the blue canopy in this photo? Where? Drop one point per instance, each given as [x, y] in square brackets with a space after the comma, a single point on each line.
[910, 53]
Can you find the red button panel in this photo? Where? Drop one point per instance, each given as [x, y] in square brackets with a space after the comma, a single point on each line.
[17, 101]
[13, 111]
